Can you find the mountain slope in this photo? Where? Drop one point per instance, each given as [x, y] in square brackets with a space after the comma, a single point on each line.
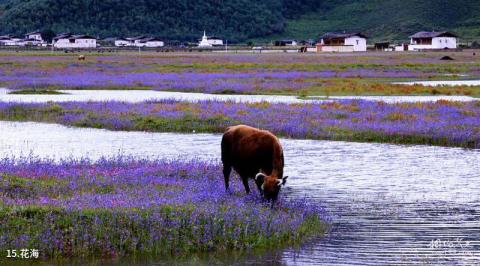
[387, 19]
[182, 19]
[240, 20]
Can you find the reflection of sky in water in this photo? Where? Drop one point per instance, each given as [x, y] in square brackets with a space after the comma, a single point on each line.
[143, 95]
[388, 201]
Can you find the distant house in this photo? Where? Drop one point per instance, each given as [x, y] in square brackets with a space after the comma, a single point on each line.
[139, 41]
[151, 42]
[36, 35]
[286, 43]
[342, 42]
[10, 40]
[426, 40]
[32, 42]
[109, 41]
[123, 42]
[74, 41]
[209, 41]
[382, 46]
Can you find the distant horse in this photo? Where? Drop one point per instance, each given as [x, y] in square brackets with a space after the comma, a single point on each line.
[81, 57]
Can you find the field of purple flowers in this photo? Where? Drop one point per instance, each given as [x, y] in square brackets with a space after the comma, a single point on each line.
[122, 206]
[292, 74]
[442, 123]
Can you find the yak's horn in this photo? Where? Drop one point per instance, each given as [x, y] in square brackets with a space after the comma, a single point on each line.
[259, 175]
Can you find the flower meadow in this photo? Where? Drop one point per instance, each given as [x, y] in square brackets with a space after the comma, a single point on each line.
[122, 206]
[443, 123]
[238, 74]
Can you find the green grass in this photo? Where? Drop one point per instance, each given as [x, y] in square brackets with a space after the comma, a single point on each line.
[37, 91]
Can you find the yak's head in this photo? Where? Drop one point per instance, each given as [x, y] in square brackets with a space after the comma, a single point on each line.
[270, 185]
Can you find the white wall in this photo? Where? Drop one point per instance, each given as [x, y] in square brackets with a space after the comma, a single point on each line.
[337, 48]
[445, 42]
[215, 42]
[37, 37]
[437, 43]
[154, 44]
[359, 44]
[121, 43]
[79, 43]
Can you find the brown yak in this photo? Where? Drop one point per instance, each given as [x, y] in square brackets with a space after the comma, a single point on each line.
[254, 153]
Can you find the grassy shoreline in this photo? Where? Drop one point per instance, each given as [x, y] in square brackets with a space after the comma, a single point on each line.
[441, 123]
[120, 207]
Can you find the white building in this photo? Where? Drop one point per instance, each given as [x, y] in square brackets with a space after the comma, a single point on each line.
[286, 43]
[10, 40]
[425, 40]
[123, 42]
[36, 35]
[74, 41]
[150, 42]
[342, 42]
[140, 41]
[209, 41]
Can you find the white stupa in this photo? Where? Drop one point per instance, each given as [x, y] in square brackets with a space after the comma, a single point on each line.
[204, 42]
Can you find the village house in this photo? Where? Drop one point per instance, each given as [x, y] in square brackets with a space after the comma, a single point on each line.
[36, 35]
[209, 41]
[10, 40]
[123, 42]
[342, 42]
[425, 40]
[140, 41]
[151, 42]
[286, 43]
[64, 41]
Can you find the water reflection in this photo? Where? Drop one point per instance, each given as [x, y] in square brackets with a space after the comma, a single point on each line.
[390, 203]
[443, 83]
[144, 95]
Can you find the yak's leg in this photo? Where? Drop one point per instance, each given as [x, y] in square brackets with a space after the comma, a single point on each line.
[245, 184]
[259, 186]
[227, 169]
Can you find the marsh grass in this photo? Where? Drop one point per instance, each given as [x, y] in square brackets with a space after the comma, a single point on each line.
[119, 207]
[443, 123]
[37, 91]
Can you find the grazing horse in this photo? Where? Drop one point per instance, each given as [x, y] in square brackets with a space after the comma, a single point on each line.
[81, 57]
[257, 154]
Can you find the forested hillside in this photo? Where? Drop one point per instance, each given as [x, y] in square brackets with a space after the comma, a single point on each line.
[174, 19]
[388, 19]
[241, 20]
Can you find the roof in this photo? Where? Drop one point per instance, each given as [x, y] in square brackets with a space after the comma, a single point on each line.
[70, 36]
[433, 34]
[136, 38]
[151, 39]
[62, 36]
[34, 32]
[82, 36]
[344, 35]
[7, 37]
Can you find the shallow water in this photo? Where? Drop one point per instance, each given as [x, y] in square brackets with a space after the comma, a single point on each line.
[388, 202]
[138, 96]
[144, 95]
[399, 99]
[435, 83]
